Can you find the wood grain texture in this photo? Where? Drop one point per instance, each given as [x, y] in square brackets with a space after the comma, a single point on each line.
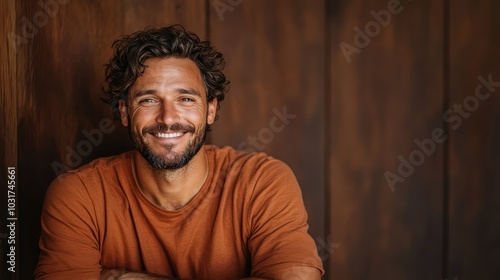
[141, 13]
[474, 224]
[10, 83]
[387, 96]
[274, 52]
[64, 77]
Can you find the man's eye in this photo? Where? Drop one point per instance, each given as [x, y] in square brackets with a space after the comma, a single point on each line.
[187, 99]
[147, 100]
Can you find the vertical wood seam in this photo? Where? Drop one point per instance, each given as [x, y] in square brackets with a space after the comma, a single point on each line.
[207, 20]
[446, 148]
[327, 129]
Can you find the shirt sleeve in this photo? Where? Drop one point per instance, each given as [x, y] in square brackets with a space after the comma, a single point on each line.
[69, 247]
[279, 238]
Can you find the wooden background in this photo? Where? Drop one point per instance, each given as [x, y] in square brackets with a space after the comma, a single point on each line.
[357, 116]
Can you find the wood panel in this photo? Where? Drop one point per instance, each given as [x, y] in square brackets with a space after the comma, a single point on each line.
[274, 54]
[386, 92]
[141, 13]
[474, 224]
[63, 80]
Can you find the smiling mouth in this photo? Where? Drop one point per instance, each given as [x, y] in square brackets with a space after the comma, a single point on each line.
[168, 135]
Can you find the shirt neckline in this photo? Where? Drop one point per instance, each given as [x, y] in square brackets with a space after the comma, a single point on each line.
[187, 209]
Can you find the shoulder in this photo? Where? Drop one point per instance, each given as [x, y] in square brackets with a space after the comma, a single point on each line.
[256, 163]
[112, 162]
[252, 172]
[229, 155]
[102, 165]
[90, 177]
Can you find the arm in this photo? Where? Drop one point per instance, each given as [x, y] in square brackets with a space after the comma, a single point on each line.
[69, 246]
[298, 273]
[279, 245]
[113, 274]
[302, 273]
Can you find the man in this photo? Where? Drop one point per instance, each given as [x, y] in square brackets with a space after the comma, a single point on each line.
[174, 208]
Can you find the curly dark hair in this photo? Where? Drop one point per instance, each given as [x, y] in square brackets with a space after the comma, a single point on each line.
[131, 52]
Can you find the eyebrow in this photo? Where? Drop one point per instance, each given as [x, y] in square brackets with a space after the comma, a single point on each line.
[190, 91]
[140, 93]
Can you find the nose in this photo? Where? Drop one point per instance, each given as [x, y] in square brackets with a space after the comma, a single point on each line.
[168, 113]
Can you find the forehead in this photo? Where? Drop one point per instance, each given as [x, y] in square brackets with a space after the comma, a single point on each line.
[162, 73]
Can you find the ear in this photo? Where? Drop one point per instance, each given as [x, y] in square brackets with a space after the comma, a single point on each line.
[212, 111]
[122, 106]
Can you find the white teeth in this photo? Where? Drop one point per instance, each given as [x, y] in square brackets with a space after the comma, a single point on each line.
[169, 135]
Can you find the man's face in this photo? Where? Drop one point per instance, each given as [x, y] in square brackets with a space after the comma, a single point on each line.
[167, 112]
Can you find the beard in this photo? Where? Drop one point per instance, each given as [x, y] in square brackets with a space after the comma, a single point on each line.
[168, 159]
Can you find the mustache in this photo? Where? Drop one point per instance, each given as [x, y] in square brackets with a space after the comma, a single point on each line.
[162, 128]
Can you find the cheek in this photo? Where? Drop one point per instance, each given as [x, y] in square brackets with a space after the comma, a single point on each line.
[134, 114]
[142, 113]
[139, 118]
[193, 114]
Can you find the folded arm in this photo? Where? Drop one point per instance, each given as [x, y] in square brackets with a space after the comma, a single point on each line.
[297, 273]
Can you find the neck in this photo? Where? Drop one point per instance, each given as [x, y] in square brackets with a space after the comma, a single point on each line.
[171, 189]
